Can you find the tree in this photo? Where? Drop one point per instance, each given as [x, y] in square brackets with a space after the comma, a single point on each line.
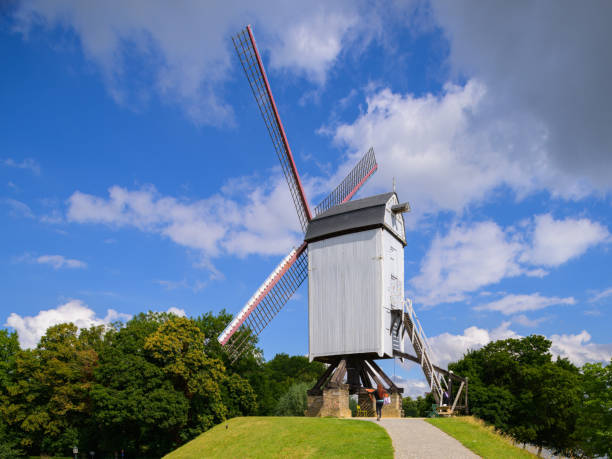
[48, 397]
[594, 425]
[9, 348]
[417, 408]
[279, 374]
[157, 386]
[515, 385]
[294, 402]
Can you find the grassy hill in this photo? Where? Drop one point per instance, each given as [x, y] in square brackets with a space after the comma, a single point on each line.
[268, 437]
[480, 438]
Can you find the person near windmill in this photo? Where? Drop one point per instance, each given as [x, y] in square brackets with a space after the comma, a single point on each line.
[378, 396]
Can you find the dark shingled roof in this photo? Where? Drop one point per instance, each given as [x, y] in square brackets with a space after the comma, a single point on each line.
[350, 217]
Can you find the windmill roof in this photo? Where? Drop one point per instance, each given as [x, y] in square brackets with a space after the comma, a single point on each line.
[359, 215]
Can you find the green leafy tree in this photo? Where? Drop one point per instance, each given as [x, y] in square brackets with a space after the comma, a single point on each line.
[9, 348]
[515, 385]
[594, 425]
[137, 405]
[419, 407]
[279, 374]
[294, 401]
[157, 386]
[49, 394]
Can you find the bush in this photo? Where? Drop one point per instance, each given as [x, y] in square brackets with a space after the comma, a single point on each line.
[294, 402]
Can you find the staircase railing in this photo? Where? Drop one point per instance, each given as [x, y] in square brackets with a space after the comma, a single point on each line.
[422, 348]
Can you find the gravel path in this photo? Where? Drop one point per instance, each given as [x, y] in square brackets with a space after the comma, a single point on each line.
[413, 437]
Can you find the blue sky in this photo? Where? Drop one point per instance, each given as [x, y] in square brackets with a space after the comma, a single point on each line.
[136, 173]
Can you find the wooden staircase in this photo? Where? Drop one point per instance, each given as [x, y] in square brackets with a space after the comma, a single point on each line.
[412, 328]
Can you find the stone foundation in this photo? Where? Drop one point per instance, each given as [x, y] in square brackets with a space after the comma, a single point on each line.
[394, 409]
[334, 402]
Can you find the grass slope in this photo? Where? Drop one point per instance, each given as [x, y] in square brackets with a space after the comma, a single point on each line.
[267, 437]
[480, 438]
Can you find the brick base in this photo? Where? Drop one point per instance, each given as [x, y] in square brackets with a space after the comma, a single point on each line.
[394, 409]
[333, 402]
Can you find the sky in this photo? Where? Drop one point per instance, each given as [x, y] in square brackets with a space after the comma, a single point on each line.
[136, 173]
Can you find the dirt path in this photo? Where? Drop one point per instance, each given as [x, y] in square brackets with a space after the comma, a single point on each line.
[413, 437]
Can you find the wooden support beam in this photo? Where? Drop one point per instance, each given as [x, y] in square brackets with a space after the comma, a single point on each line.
[340, 372]
[323, 379]
[457, 397]
[372, 373]
[365, 378]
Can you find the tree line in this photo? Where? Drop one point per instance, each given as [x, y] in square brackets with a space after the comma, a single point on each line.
[517, 386]
[150, 385]
[144, 387]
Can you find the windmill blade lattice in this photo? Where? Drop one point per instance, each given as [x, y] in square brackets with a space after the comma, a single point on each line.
[244, 42]
[353, 181]
[266, 302]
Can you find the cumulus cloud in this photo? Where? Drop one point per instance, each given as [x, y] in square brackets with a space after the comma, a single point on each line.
[177, 311]
[532, 114]
[557, 241]
[31, 328]
[261, 221]
[59, 261]
[27, 163]
[186, 53]
[542, 63]
[472, 256]
[412, 387]
[511, 304]
[525, 321]
[449, 348]
[465, 260]
[577, 348]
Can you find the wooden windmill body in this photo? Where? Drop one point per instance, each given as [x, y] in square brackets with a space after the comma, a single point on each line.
[355, 278]
[353, 258]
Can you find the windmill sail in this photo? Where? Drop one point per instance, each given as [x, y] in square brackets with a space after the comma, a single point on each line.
[353, 181]
[267, 301]
[244, 42]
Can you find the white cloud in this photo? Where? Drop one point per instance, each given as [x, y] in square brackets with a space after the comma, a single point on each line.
[579, 349]
[27, 163]
[186, 53]
[525, 321]
[542, 64]
[472, 256]
[18, 208]
[263, 221]
[423, 143]
[557, 241]
[177, 311]
[511, 304]
[464, 260]
[448, 151]
[412, 387]
[59, 261]
[533, 114]
[31, 328]
[601, 295]
[450, 348]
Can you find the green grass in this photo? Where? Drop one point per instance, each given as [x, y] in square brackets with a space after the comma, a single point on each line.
[268, 437]
[480, 438]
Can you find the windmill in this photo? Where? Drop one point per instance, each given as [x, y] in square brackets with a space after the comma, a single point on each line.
[352, 254]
